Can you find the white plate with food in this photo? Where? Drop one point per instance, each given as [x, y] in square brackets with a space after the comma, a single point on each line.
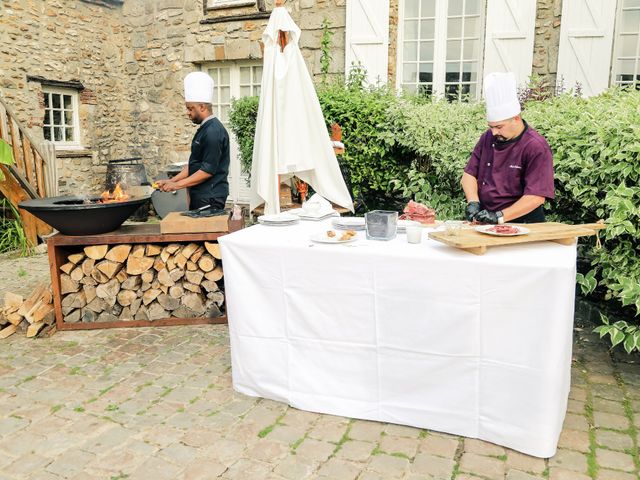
[502, 230]
[335, 237]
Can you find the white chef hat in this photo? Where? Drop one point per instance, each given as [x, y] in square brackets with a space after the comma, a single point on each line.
[501, 96]
[198, 88]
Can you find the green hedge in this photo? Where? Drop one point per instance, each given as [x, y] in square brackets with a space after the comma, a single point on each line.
[401, 148]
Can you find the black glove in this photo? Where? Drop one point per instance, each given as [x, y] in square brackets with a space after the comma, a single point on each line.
[471, 211]
[485, 216]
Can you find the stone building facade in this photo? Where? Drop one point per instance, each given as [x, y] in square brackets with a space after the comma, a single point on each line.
[130, 59]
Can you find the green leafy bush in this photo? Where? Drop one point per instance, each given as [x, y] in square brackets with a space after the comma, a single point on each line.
[401, 148]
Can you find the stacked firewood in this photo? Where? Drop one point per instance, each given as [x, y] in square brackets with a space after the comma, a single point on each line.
[34, 314]
[126, 282]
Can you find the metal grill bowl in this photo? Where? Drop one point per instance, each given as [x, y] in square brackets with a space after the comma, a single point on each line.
[71, 215]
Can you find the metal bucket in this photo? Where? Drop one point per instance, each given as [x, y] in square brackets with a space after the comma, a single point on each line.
[129, 172]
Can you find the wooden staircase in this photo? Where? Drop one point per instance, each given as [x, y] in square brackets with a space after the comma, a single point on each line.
[31, 176]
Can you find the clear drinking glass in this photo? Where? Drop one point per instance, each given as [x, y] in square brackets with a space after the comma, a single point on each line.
[381, 224]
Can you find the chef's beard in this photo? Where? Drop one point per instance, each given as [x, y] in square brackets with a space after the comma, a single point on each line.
[500, 138]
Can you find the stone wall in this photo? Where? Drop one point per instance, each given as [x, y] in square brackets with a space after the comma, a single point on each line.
[132, 59]
[64, 41]
[547, 39]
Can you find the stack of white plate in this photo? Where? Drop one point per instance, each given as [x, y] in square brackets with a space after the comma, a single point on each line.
[279, 220]
[348, 223]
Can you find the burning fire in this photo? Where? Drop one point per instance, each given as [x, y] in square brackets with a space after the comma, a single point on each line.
[118, 195]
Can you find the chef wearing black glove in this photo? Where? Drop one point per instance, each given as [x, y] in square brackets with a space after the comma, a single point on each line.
[471, 211]
[486, 216]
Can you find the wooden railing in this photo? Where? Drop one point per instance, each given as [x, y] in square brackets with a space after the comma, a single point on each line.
[32, 175]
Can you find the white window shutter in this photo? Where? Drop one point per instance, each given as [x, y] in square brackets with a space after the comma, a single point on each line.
[586, 39]
[509, 37]
[367, 38]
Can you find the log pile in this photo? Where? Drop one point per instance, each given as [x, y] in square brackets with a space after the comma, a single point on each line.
[34, 314]
[125, 282]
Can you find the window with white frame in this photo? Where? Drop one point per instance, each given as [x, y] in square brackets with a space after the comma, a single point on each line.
[626, 62]
[61, 124]
[234, 80]
[440, 47]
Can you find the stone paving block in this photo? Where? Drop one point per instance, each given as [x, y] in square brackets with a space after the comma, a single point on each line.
[574, 440]
[315, 450]
[613, 440]
[473, 445]
[157, 469]
[114, 437]
[179, 454]
[569, 460]
[356, 450]
[573, 421]
[329, 430]
[615, 460]
[162, 436]
[389, 466]
[70, 462]
[366, 475]
[122, 459]
[23, 442]
[518, 475]
[407, 446]
[576, 406]
[267, 450]
[200, 437]
[339, 469]
[439, 446]
[246, 468]
[432, 466]
[608, 392]
[610, 420]
[294, 468]
[9, 425]
[608, 406]
[366, 430]
[202, 470]
[292, 416]
[42, 475]
[485, 466]
[557, 473]
[578, 393]
[604, 474]
[225, 451]
[526, 463]
[285, 434]
[402, 431]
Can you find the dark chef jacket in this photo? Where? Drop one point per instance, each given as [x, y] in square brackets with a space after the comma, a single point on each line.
[210, 153]
[506, 171]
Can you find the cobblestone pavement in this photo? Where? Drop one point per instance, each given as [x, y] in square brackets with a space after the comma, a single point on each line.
[158, 404]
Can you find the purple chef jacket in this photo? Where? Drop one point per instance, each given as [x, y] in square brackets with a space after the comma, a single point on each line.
[506, 171]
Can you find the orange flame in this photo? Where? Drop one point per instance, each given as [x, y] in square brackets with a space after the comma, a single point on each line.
[118, 195]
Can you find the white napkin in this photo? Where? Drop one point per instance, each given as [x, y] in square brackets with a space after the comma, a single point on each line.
[325, 206]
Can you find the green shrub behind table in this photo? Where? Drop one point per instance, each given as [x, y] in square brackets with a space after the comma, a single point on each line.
[399, 148]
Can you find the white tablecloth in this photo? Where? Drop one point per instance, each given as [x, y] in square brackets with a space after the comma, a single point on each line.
[422, 335]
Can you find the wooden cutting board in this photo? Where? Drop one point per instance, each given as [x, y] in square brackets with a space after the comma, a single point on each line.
[475, 242]
[175, 222]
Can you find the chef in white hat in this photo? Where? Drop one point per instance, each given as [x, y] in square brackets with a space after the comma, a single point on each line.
[510, 173]
[206, 174]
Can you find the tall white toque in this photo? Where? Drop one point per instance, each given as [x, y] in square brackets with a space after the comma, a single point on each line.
[198, 88]
[501, 96]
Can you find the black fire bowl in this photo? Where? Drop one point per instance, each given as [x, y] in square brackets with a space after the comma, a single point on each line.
[72, 215]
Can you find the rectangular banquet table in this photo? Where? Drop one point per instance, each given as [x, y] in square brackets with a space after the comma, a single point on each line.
[422, 335]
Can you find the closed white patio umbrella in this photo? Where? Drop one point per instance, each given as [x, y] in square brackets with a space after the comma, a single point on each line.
[291, 136]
